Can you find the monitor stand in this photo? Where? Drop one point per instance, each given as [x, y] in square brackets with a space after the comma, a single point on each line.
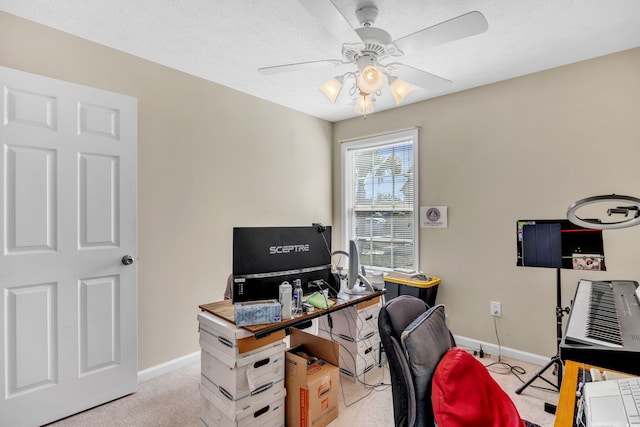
[362, 287]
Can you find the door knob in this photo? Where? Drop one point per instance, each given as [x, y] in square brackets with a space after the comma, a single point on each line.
[127, 260]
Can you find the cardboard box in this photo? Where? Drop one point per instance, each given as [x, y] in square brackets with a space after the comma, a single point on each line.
[218, 334]
[266, 412]
[236, 380]
[257, 312]
[312, 389]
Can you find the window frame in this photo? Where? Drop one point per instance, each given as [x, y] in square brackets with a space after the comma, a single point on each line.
[347, 185]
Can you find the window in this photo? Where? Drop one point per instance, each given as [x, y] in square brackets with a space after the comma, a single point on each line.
[380, 199]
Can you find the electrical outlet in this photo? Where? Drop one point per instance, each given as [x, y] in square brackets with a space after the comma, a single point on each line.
[495, 308]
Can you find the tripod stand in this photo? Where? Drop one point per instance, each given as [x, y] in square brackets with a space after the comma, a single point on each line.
[555, 360]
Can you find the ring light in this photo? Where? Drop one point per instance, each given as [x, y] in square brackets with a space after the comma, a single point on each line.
[619, 205]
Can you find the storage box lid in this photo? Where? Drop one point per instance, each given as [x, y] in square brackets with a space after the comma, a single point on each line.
[231, 362]
[231, 338]
[217, 324]
[245, 411]
[403, 280]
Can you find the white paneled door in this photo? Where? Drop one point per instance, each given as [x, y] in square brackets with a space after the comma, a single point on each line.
[68, 314]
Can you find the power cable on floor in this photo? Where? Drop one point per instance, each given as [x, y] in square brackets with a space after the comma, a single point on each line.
[507, 368]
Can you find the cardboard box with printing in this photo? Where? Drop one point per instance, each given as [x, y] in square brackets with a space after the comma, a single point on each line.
[312, 380]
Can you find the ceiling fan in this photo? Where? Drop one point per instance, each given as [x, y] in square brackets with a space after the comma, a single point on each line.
[371, 48]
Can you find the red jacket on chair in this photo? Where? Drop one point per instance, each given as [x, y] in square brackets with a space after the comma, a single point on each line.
[464, 395]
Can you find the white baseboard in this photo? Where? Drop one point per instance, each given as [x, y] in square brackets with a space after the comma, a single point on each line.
[165, 368]
[503, 351]
[489, 348]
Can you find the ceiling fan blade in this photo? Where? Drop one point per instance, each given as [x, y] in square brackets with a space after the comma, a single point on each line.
[331, 18]
[286, 68]
[466, 25]
[420, 78]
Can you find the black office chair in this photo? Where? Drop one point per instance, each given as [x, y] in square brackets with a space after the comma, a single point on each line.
[415, 338]
[411, 379]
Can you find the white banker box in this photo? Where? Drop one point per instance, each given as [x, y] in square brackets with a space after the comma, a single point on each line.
[268, 411]
[237, 380]
[218, 334]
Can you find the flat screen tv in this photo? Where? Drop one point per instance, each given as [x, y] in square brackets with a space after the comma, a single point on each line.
[264, 257]
[559, 244]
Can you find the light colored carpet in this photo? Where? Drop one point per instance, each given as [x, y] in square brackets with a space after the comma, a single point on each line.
[173, 400]
[377, 407]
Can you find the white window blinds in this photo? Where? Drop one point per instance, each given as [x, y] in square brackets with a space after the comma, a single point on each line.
[380, 199]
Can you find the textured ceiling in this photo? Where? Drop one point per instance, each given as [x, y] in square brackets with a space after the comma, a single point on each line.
[226, 41]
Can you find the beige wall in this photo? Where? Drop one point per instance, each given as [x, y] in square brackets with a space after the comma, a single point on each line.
[519, 149]
[209, 158]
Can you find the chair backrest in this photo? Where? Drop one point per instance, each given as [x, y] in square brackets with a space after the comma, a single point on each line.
[414, 337]
[395, 315]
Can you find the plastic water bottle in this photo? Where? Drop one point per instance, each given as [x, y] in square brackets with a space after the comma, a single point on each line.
[285, 300]
[297, 297]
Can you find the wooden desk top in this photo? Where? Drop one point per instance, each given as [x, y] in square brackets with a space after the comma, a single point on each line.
[224, 309]
[567, 399]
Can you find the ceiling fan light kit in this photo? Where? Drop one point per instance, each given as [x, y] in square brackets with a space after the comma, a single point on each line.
[399, 89]
[369, 47]
[331, 88]
[364, 104]
[370, 79]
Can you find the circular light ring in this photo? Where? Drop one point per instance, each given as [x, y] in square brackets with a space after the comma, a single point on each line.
[613, 198]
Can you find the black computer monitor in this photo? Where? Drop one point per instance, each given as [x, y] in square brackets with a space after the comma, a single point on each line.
[264, 257]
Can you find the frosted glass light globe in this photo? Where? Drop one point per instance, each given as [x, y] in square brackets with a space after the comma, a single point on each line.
[370, 79]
